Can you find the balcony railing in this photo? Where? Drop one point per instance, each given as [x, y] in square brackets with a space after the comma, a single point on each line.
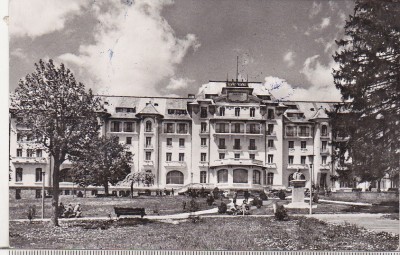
[271, 133]
[204, 131]
[29, 160]
[324, 150]
[297, 166]
[175, 163]
[236, 162]
[252, 148]
[148, 146]
[304, 134]
[237, 147]
[222, 131]
[324, 167]
[222, 147]
[238, 131]
[270, 165]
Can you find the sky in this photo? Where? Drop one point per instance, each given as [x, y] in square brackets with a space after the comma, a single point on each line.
[173, 47]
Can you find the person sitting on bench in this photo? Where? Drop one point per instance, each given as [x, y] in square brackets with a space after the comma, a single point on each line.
[78, 210]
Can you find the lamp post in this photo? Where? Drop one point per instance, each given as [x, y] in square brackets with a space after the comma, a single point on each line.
[311, 181]
[43, 192]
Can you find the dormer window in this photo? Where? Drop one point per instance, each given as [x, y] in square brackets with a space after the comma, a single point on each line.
[237, 111]
[149, 126]
[270, 114]
[125, 109]
[203, 112]
[252, 112]
[222, 111]
[324, 130]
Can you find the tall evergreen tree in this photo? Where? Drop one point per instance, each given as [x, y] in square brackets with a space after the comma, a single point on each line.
[59, 112]
[369, 80]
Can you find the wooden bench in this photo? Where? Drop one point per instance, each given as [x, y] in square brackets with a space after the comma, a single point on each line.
[129, 211]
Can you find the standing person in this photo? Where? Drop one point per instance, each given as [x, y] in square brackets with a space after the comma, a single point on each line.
[234, 197]
[61, 209]
[77, 210]
[244, 209]
[172, 191]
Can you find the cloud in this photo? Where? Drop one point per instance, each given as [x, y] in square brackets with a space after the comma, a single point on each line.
[19, 53]
[135, 49]
[289, 58]
[315, 9]
[324, 23]
[34, 18]
[178, 83]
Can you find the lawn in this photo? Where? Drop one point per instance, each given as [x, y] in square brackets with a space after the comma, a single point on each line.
[233, 233]
[103, 206]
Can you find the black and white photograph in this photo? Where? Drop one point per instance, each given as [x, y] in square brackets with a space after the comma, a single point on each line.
[202, 125]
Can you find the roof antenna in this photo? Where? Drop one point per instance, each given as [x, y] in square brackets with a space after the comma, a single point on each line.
[237, 68]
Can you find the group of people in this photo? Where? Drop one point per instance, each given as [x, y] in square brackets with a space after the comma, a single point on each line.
[165, 192]
[244, 208]
[70, 211]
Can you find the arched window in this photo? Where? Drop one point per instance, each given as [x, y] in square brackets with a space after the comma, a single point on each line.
[256, 177]
[222, 176]
[66, 175]
[149, 126]
[324, 130]
[175, 177]
[240, 176]
[270, 178]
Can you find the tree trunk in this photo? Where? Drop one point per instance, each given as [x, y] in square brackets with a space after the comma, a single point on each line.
[131, 189]
[56, 190]
[105, 188]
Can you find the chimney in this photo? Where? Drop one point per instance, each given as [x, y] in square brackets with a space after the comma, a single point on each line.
[191, 96]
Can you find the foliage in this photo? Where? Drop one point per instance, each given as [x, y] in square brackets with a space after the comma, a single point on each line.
[103, 160]
[281, 213]
[282, 195]
[222, 208]
[257, 202]
[58, 112]
[263, 196]
[369, 76]
[193, 205]
[216, 193]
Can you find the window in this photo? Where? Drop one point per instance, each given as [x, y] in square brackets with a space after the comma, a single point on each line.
[148, 155]
[29, 153]
[129, 140]
[18, 174]
[19, 137]
[236, 145]
[270, 178]
[222, 143]
[182, 128]
[169, 156]
[17, 194]
[222, 128]
[203, 112]
[240, 176]
[203, 141]
[270, 143]
[222, 176]
[19, 152]
[29, 137]
[303, 160]
[304, 131]
[66, 192]
[203, 176]
[203, 127]
[270, 158]
[181, 156]
[38, 193]
[270, 114]
[252, 156]
[252, 112]
[169, 128]
[203, 157]
[38, 173]
[237, 155]
[254, 129]
[236, 128]
[237, 112]
[222, 111]
[324, 160]
[222, 156]
[291, 158]
[175, 177]
[270, 129]
[324, 130]
[128, 127]
[169, 141]
[291, 144]
[290, 131]
[256, 177]
[324, 145]
[122, 109]
[181, 142]
[148, 142]
[303, 144]
[149, 126]
[252, 145]
[39, 153]
[115, 126]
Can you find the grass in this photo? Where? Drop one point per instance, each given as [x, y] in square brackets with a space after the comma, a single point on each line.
[236, 233]
[103, 206]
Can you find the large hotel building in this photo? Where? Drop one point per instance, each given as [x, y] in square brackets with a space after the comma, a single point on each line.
[232, 135]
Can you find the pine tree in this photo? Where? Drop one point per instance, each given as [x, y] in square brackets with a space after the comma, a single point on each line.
[59, 112]
[369, 80]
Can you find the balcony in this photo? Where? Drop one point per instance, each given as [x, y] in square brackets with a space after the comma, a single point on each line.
[221, 147]
[324, 167]
[175, 164]
[297, 166]
[237, 162]
[324, 151]
[237, 147]
[148, 147]
[222, 131]
[271, 133]
[304, 134]
[270, 165]
[238, 131]
[148, 163]
[252, 148]
[204, 132]
[29, 160]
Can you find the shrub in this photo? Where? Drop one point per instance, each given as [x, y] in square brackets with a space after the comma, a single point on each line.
[281, 213]
[193, 206]
[263, 196]
[222, 208]
[80, 194]
[216, 193]
[315, 197]
[210, 200]
[282, 195]
[356, 190]
[257, 202]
